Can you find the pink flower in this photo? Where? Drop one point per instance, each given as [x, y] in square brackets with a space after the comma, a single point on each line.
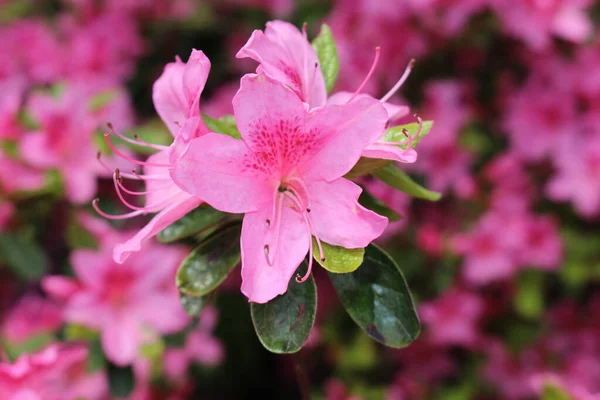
[122, 301]
[539, 243]
[452, 318]
[285, 55]
[12, 90]
[275, 7]
[176, 96]
[32, 316]
[535, 21]
[6, 212]
[578, 174]
[56, 373]
[15, 176]
[575, 390]
[286, 176]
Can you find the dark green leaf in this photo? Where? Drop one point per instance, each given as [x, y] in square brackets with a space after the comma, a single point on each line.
[324, 46]
[209, 264]
[198, 220]
[224, 125]
[23, 257]
[378, 300]
[193, 305]
[339, 260]
[374, 204]
[121, 380]
[395, 134]
[284, 323]
[398, 179]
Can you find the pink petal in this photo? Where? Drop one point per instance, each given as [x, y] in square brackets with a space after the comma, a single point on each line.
[390, 152]
[35, 149]
[573, 24]
[213, 168]
[80, 184]
[120, 340]
[160, 221]
[260, 281]
[161, 311]
[394, 111]
[176, 94]
[89, 266]
[285, 55]
[347, 130]
[60, 287]
[338, 218]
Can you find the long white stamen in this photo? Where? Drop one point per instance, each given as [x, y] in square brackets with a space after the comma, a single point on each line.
[277, 211]
[400, 82]
[114, 217]
[137, 142]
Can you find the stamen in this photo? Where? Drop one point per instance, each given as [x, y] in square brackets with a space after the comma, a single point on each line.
[303, 187]
[114, 217]
[302, 279]
[122, 155]
[400, 82]
[407, 143]
[126, 203]
[137, 142]
[277, 211]
[136, 193]
[371, 71]
[102, 163]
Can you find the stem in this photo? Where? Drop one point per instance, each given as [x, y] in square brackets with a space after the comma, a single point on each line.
[302, 378]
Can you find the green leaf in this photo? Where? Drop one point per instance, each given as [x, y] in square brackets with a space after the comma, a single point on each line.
[529, 298]
[102, 99]
[25, 258]
[284, 323]
[339, 260]
[193, 305]
[366, 166]
[198, 220]
[209, 264]
[378, 300]
[78, 237]
[552, 392]
[398, 179]
[395, 134]
[376, 205]
[324, 46]
[224, 125]
[121, 380]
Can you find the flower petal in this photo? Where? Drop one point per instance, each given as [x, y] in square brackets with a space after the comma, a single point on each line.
[390, 152]
[121, 339]
[214, 168]
[262, 282]
[337, 216]
[160, 221]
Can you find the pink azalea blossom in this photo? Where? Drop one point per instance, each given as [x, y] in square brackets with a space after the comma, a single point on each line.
[32, 316]
[286, 176]
[452, 318]
[536, 21]
[286, 55]
[176, 96]
[123, 301]
[12, 90]
[56, 373]
[15, 176]
[277, 8]
[578, 175]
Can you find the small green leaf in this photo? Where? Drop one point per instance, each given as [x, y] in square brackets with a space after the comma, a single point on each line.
[367, 200]
[121, 380]
[398, 179]
[284, 323]
[209, 264]
[78, 237]
[529, 298]
[395, 134]
[378, 300]
[198, 220]
[193, 305]
[25, 258]
[339, 260]
[366, 166]
[326, 50]
[552, 392]
[101, 100]
[224, 125]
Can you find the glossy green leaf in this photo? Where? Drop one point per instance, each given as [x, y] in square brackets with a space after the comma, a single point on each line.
[377, 298]
[339, 260]
[25, 258]
[193, 305]
[121, 380]
[376, 205]
[196, 221]
[209, 264]
[326, 50]
[396, 134]
[284, 323]
[224, 125]
[398, 179]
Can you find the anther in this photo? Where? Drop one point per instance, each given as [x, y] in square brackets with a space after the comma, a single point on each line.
[268, 223]
[307, 209]
[322, 259]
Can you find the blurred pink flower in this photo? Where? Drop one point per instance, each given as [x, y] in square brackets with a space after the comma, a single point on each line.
[32, 316]
[286, 176]
[15, 176]
[537, 242]
[13, 90]
[576, 391]
[219, 104]
[536, 21]
[124, 300]
[452, 318]
[278, 8]
[6, 212]
[56, 373]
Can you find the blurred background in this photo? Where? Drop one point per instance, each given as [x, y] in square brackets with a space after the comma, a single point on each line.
[505, 269]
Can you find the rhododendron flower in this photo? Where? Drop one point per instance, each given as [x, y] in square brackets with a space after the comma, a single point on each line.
[56, 373]
[176, 96]
[122, 301]
[12, 90]
[15, 176]
[32, 316]
[286, 176]
[286, 55]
